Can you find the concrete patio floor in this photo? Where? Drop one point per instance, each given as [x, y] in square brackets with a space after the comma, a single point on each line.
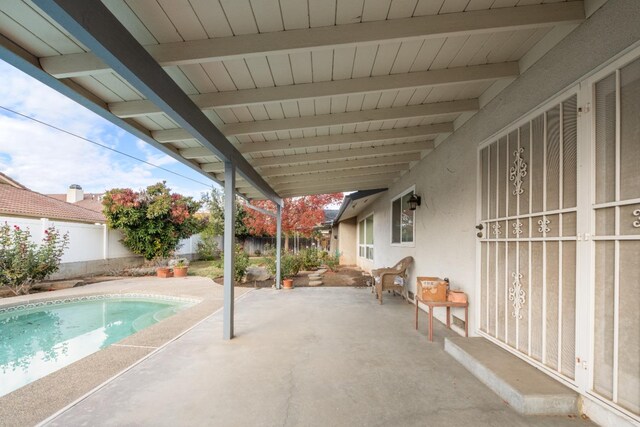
[329, 356]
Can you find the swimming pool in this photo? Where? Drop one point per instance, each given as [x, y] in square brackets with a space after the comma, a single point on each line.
[37, 339]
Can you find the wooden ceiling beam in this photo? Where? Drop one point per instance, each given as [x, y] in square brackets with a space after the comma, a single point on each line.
[329, 140]
[245, 97]
[321, 176]
[341, 164]
[377, 179]
[435, 110]
[323, 156]
[282, 42]
[335, 189]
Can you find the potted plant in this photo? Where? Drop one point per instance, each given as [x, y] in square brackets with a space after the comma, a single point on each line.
[290, 265]
[164, 272]
[180, 268]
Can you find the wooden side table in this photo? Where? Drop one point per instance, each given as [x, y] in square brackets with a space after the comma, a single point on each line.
[448, 304]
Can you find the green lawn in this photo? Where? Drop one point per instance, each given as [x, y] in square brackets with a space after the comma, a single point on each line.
[210, 269]
[213, 269]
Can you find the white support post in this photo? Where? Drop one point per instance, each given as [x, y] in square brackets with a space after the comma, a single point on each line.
[105, 242]
[228, 247]
[278, 244]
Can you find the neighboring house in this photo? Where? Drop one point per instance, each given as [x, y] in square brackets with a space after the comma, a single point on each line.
[78, 197]
[16, 200]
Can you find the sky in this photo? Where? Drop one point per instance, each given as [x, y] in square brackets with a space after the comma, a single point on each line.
[48, 161]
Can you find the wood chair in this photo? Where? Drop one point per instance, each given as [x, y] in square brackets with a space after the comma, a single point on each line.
[385, 278]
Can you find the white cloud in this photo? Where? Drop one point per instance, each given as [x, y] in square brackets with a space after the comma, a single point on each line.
[153, 156]
[49, 163]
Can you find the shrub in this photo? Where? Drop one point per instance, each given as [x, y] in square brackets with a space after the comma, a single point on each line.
[152, 221]
[257, 252]
[290, 265]
[268, 250]
[310, 258]
[240, 264]
[208, 248]
[23, 262]
[333, 261]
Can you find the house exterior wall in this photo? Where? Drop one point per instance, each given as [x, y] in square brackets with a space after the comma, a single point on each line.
[348, 241]
[445, 242]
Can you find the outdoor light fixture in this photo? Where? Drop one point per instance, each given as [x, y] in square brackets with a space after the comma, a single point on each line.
[414, 201]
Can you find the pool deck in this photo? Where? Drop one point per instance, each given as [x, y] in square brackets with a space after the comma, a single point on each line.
[44, 397]
[310, 356]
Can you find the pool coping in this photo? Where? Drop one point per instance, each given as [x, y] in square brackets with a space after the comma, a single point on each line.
[52, 302]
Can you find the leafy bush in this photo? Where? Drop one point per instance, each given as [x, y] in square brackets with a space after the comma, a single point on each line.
[208, 247]
[290, 265]
[332, 261]
[240, 263]
[257, 252]
[310, 258]
[23, 262]
[152, 221]
[268, 250]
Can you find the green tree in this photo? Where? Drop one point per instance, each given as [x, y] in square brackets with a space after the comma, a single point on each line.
[152, 221]
[214, 203]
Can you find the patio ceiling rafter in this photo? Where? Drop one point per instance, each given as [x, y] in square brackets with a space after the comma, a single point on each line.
[330, 140]
[341, 164]
[352, 186]
[437, 109]
[322, 176]
[242, 46]
[246, 97]
[408, 147]
[379, 179]
[93, 25]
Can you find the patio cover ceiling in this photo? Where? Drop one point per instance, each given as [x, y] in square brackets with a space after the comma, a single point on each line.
[303, 96]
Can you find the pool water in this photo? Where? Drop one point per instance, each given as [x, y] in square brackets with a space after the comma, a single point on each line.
[38, 341]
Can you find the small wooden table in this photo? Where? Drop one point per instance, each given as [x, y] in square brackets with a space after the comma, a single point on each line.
[448, 304]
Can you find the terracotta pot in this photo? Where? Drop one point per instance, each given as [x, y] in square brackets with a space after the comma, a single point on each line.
[287, 283]
[164, 272]
[180, 271]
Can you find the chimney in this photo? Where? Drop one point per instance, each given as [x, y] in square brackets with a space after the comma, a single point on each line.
[74, 193]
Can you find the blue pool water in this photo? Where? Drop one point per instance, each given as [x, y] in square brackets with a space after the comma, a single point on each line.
[35, 342]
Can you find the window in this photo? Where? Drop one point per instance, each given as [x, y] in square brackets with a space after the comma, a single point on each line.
[402, 218]
[365, 238]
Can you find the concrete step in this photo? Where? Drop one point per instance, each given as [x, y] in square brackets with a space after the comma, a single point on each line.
[315, 282]
[525, 388]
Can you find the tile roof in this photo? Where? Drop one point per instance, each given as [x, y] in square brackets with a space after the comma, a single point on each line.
[16, 200]
[91, 201]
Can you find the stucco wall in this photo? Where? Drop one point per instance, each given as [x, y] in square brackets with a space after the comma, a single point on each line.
[445, 243]
[347, 241]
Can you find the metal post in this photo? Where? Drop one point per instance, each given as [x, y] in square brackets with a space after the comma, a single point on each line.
[228, 247]
[278, 244]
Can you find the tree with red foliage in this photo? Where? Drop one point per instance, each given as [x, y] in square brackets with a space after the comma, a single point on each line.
[299, 215]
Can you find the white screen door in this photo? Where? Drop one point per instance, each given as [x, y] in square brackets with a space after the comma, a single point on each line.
[560, 242]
